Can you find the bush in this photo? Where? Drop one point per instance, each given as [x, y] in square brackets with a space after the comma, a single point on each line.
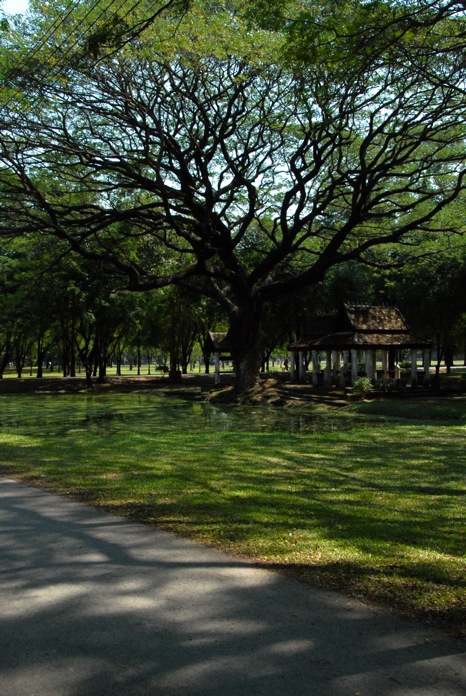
[385, 385]
[362, 385]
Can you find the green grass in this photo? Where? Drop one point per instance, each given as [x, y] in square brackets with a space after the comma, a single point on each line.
[10, 372]
[418, 409]
[376, 511]
[126, 371]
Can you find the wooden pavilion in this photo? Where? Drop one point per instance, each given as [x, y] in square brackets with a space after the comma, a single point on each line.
[358, 340]
[219, 347]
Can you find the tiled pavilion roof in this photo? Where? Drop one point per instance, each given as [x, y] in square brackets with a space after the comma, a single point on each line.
[360, 326]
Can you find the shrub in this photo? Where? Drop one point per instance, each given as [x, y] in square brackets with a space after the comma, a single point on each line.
[362, 385]
[385, 385]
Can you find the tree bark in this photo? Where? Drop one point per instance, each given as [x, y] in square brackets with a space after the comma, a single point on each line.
[246, 345]
[40, 357]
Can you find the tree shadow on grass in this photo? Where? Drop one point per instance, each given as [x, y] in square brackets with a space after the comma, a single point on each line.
[427, 589]
[95, 605]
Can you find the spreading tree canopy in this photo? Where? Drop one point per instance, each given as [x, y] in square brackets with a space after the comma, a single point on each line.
[248, 153]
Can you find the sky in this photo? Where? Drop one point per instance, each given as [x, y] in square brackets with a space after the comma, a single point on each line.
[14, 6]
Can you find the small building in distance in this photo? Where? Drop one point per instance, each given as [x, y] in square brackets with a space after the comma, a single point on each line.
[355, 341]
[219, 347]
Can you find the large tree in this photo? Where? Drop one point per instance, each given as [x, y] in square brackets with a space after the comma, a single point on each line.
[213, 153]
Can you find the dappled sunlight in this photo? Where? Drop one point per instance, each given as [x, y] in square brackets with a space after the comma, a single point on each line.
[162, 615]
[7, 439]
[384, 508]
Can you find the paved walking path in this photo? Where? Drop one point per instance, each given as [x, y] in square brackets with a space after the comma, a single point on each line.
[93, 605]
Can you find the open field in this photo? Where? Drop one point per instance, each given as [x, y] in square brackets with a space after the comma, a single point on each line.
[153, 370]
[126, 371]
[366, 498]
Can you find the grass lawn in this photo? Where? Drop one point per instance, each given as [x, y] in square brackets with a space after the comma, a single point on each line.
[375, 510]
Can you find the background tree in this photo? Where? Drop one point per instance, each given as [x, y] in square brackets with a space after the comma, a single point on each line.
[209, 318]
[431, 293]
[217, 159]
[178, 316]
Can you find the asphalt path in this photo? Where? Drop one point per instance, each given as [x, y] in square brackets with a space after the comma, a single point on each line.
[94, 605]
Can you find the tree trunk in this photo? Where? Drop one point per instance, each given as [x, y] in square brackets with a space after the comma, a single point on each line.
[40, 358]
[449, 353]
[138, 359]
[20, 359]
[174, 373]
[206, 359]
[248, 369]
[3, 364]
[246, 345]
[5, 353]
[102, 371]
[204, 345]
[72, 369]
[88, 372]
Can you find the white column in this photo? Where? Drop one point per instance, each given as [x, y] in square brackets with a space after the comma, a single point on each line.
[315, 369]
[369, 362]
[217, 367]
[301, 371]
[354, 365]
[343, 368]
[414, 367]
[293, 365]
[385, 363]
[328, 368]
[426, 366]
[336, 366]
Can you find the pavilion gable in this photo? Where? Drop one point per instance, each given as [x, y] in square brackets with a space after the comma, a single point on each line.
[366, 318]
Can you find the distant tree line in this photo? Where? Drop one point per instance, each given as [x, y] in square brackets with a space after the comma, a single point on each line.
[60, 309]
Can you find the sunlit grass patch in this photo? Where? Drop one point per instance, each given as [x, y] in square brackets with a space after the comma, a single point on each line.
[14, 440]
[376, 511]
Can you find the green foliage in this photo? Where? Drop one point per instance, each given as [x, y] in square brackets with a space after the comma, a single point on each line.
[362, 386]
[255, 148]
[351, 282]
[385, 385]
[348, 34]
[430, 292]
